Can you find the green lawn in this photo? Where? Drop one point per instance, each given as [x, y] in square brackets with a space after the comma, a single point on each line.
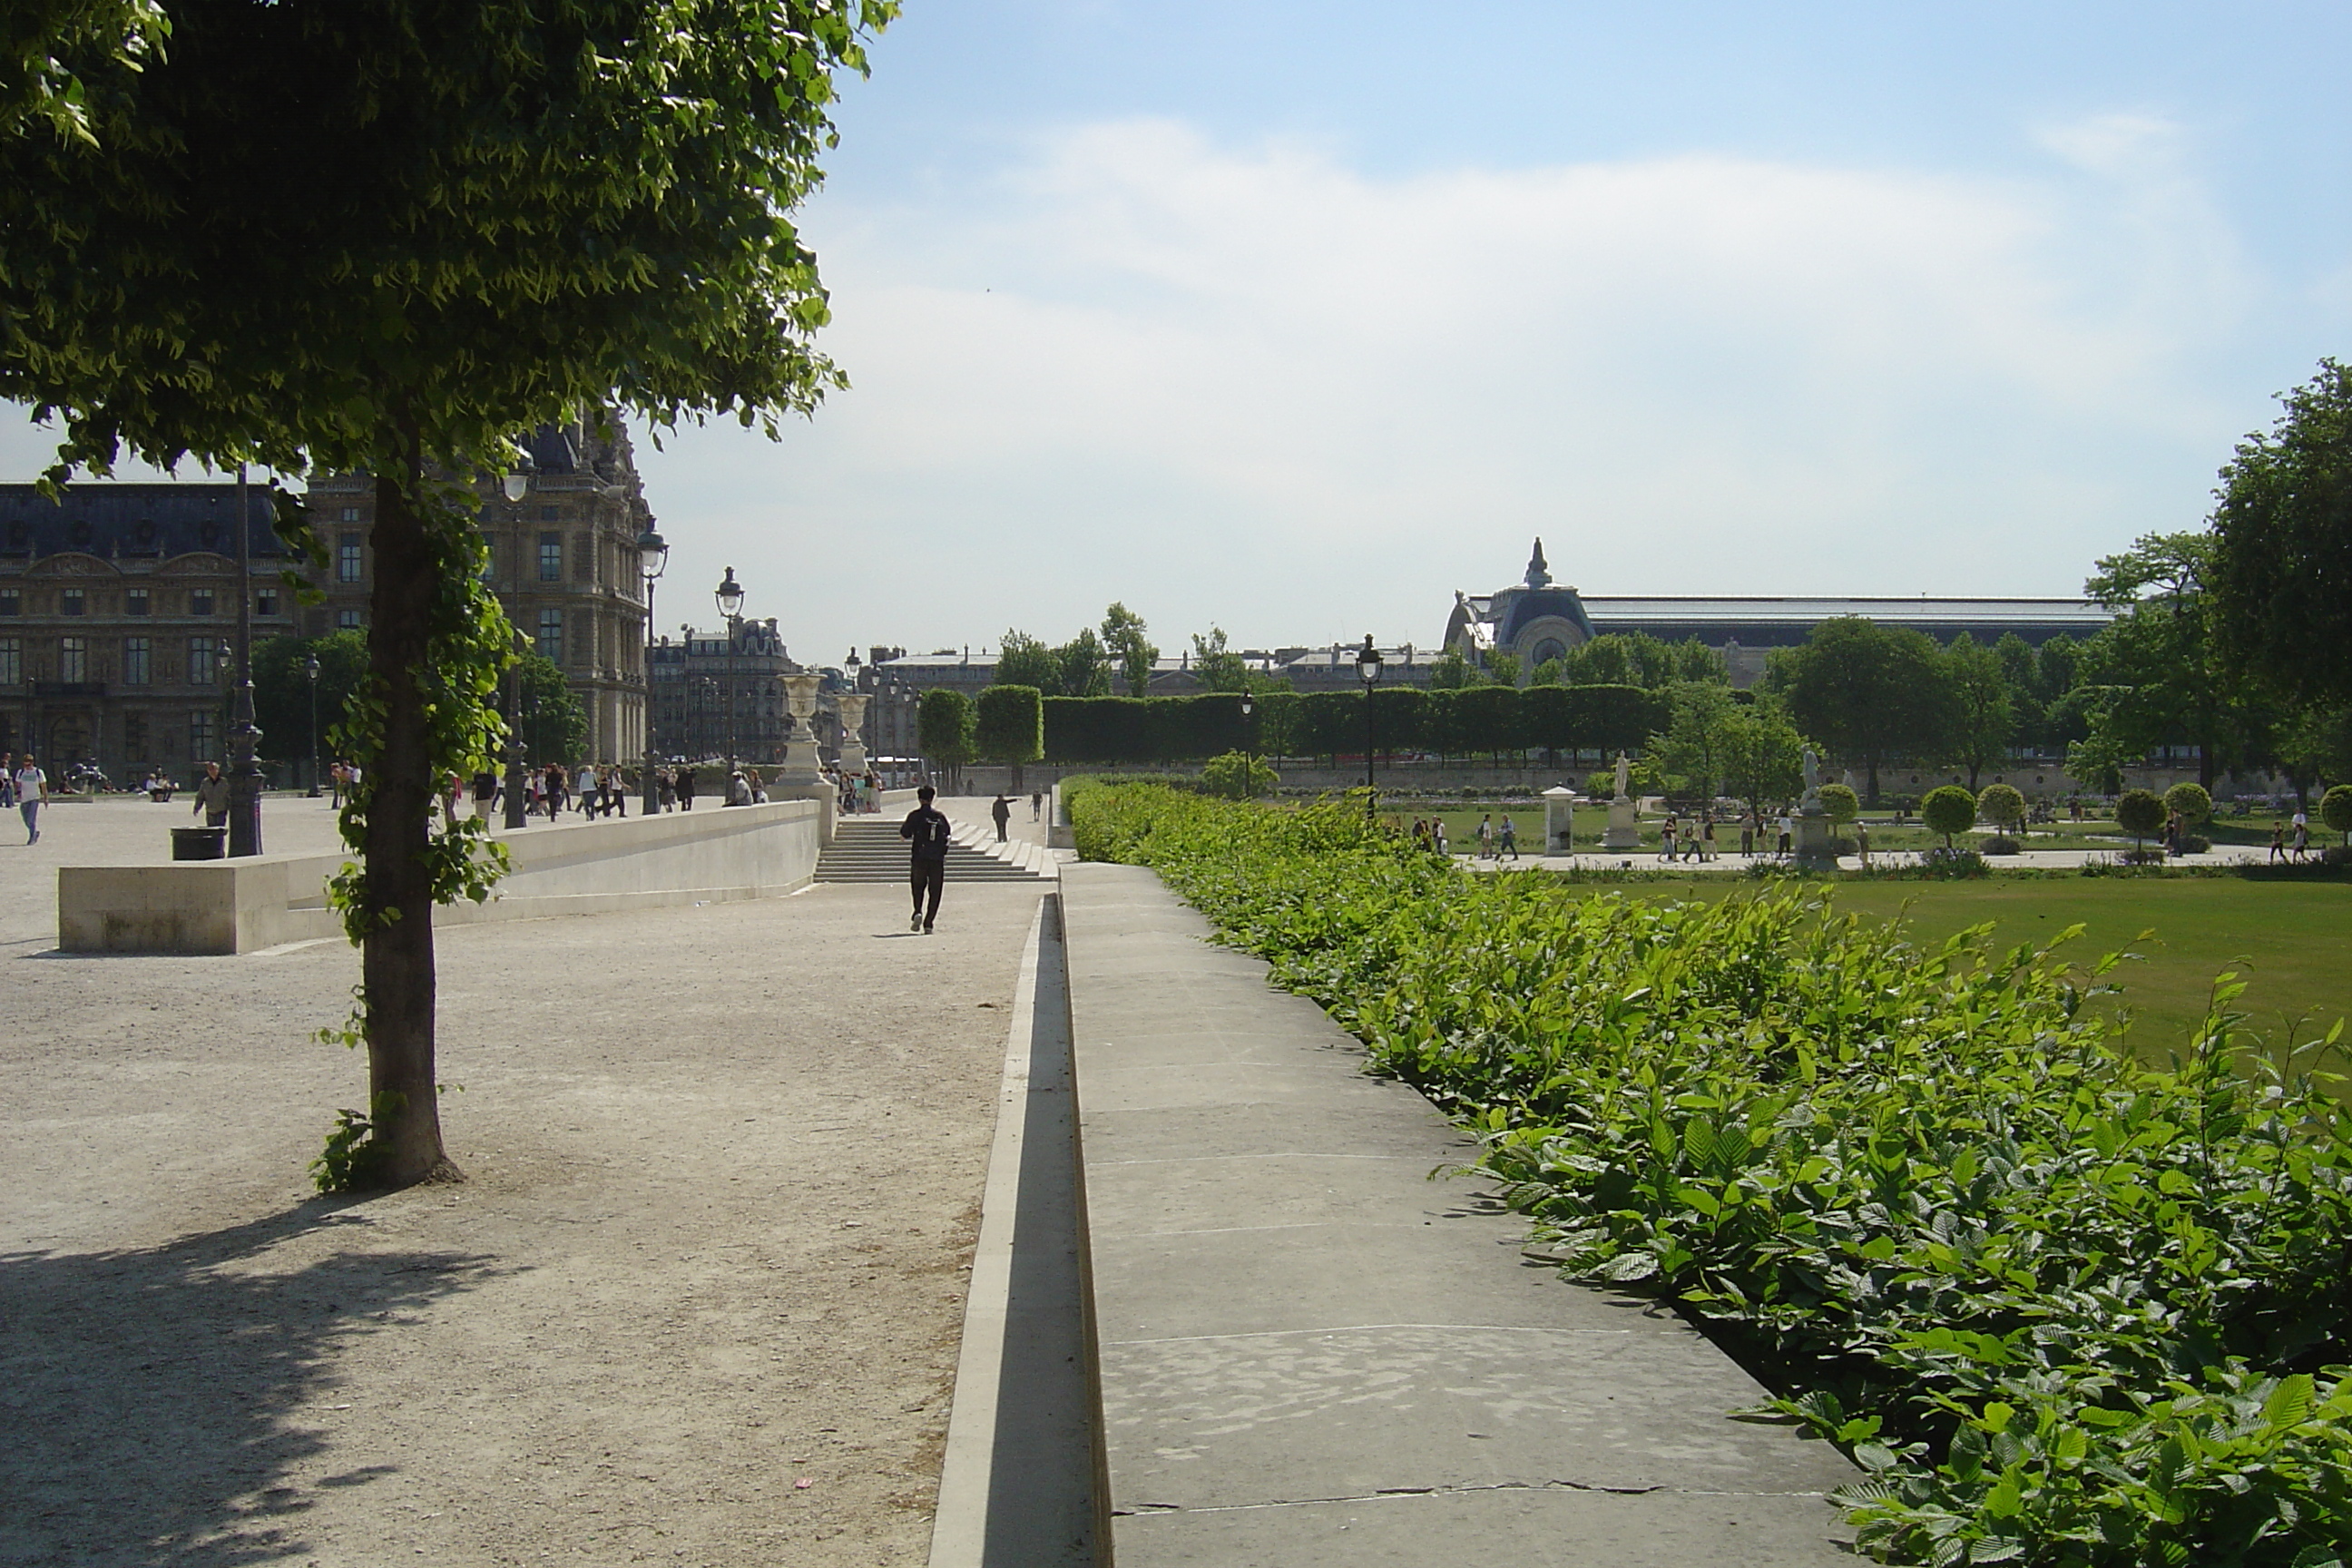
[2291, 941]
[1461, 828]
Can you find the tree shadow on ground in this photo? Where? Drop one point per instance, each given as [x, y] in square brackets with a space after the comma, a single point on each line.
[150, 1396]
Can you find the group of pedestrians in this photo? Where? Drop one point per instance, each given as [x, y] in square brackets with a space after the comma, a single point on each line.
[2290, 842]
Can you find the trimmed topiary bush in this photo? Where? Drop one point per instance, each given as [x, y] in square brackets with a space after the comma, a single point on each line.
[2140, 814]
[1840, 802]
[2335, 810]
[2190, 801]
[1948, 810]
[2002, 805]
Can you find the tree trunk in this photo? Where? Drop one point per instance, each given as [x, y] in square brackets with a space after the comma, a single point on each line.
[1871, 763]
[397, 958]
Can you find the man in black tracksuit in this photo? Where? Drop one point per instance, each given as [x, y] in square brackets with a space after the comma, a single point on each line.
[926, 831]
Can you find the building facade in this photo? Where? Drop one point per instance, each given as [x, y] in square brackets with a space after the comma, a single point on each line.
[695, 678]
[563, 560]
[118, 621]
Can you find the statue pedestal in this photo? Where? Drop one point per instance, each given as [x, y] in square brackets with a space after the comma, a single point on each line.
[1624, 830]
[1813, 841]
[802, 766]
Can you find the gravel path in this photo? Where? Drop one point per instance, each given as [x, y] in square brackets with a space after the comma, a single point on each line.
[697, 1302]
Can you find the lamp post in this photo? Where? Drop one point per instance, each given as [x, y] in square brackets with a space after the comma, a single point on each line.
[517, 797]
[1367, 670]
[310, 668]
[730, 594]
[244, 773]
[1249, 747]
[652, 554]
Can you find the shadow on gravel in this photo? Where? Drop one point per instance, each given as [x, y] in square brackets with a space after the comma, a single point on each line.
[147, 1396]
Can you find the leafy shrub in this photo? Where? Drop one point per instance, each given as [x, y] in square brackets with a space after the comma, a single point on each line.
[2190, 801]
[2335, 810]
[1999, 844]
[2062, 1308]
[2002, 805]
[1237, 775]
[2139, 813]
[1840, 802]
[1948, 810]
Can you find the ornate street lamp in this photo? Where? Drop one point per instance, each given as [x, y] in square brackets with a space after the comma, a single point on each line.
[1249, 746]
[310, 668]
[730, 594]
[244, 773]
[653, 555]
[1367, 670]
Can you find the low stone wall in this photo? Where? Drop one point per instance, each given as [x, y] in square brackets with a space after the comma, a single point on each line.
[576, 869]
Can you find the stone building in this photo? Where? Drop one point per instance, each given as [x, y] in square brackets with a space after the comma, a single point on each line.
[1538, 620]
[117, 620]
[563, 562]
[692, 679]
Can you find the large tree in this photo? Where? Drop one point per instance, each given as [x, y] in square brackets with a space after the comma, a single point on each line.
[1984, 703]
[1870, 693]
[2281, 571]
[2155, 675]
[385, 236]
[1023, 660]
[1123, 640]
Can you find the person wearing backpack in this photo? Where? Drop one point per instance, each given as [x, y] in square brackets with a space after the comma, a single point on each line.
[926, 831]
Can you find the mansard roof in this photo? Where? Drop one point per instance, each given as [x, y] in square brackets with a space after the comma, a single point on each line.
[146, 520]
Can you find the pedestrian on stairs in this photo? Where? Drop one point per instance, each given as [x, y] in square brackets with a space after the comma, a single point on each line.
[1003, 812]
[926, 831]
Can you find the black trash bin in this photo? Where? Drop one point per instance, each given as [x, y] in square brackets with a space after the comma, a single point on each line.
[199, 843]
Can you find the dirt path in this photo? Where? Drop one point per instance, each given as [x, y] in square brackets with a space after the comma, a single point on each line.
[698, 1301]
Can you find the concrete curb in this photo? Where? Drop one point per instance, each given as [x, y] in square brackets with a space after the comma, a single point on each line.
[1023, 1482]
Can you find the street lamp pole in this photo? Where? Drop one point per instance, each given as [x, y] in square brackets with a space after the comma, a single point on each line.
[244, 773]
[310, 668]
[517, 796]
[1249, 747]
[653, 555]
[1367, 670]
[730, 594]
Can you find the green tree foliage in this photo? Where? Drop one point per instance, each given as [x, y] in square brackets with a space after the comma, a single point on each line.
[1216, 666]
[1023, 660]
[1502, 666]
[1009, 726]
[2003, 806]
[1550, 672]
[1840, 802]
[1130, 649]
[1984, 707]
[1637, 658]
[468, 222]
[2139, 813]
[1691, 753]
[1084, 668]
[44, 48]
[1763, 755]
[944, 726]
[1868, 692]
[2335, 810]
[1238, 775]
[1449, 671]
[281, 691]
[2155, 675]
[1948, 810]
[2189, 802]
[2281, 571]
[554, 725]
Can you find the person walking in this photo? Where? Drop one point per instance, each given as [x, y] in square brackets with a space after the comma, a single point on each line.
[1437, 838]
[1002, 814]
[1486, 835]
[1667, 841]
[32, 787]
[686, 789]
[2301, 845]
[1862, 843]
[926, 831]
[1036, 804]
[1507, 841]
[2278, 842]
[1706, 851]
[212, 797]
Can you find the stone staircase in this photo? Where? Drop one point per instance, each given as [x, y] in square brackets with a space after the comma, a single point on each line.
[868, 849]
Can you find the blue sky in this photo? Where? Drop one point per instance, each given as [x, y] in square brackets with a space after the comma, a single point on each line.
[1293, 318]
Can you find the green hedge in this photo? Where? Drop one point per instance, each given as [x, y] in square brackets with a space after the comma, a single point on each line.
[2060, 1306]
[1479, 720]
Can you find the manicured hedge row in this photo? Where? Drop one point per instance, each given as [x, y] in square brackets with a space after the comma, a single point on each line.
[2063, 1309]
[1476, 722]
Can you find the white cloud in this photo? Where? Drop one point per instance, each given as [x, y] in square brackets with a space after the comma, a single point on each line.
[1260, 388]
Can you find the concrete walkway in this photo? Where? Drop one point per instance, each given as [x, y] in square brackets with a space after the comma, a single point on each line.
[1312, 1354]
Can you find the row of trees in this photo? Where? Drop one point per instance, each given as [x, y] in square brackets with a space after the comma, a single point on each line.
[554, 725]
